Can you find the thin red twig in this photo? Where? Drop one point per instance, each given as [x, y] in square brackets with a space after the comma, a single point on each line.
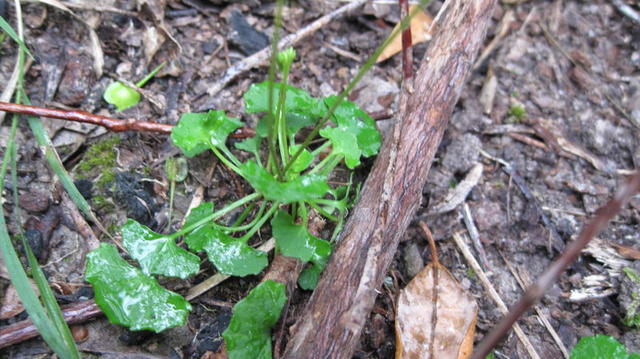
[551, 275]
[112, 124]
[407, 52]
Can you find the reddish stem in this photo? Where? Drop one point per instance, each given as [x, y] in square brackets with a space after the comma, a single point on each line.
[551, 275]
[407, 53]
[112, 124]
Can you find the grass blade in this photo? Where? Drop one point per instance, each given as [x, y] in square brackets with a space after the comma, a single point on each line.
[4, 25]
[18, 276]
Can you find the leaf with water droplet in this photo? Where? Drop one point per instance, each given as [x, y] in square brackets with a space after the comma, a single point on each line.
[353, 119]
[296, 101]
[121, 95]
[197, 132]
[293, 240]
[229, 255]
[156, 253]
[302, 188]
[601, 347]
[344, 143]
[129, 297]
[249, 332]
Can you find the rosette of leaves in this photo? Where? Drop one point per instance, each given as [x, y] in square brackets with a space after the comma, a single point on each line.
[289, 178]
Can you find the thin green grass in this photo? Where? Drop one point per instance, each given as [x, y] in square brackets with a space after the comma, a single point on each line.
[48, 319]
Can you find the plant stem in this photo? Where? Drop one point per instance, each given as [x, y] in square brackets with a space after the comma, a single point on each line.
[248, 225]
[321, 164]
[172, 188]
[272, 77]
[258, 225]
[303, 213]
[280, 117]
[363, 70]
[150, 75]
[323, 212]
[318, 150]
[224, 160]
[215, 215]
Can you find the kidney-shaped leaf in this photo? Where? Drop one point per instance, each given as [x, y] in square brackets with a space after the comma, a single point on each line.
[249, 333]
[601, 347]
[129, 297]
[452, 335]
[197, 132]
[296, 101]
[293, 240]
[303, 188]
[353, 119]
[344, 143]
[156, 253]
[229, 255]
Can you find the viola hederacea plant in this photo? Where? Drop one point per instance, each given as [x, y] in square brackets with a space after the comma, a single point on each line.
[289, 178]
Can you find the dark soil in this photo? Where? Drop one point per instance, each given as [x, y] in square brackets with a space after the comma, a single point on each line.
[573, 66]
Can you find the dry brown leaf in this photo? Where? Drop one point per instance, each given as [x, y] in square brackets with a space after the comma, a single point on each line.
[421, 31]
[11, 304]
[455, 317]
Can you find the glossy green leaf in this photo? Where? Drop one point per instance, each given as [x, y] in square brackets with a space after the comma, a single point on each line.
[158, 254]
[251, 145]
[310, 276]
[297, 100]
[121, 95]
[344, 143]
[129, 297]
[249, 332]
[601, 347]
[303, 188]
[353, 119]
[230, 255]
[302, 162]
[202, 211]
[197, 132]
[293, 240]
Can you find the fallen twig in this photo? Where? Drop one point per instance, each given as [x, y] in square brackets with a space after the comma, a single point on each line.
[264, 55]
[466, 253]
[23, 330]
[338, 309]
[571, 253]
[112, 124]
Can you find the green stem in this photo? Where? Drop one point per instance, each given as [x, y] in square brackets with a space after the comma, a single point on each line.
[280, 117]
[172, 188]
[321, 164]
[303, 213]
[248, 225]
[224, 160]
[328, 168]
[404, 24]
[318, 150]
[150, 75]
[272, 77]
[260, 223]
[215, 215]
[323, 212]
[231, 156]
[244, 215]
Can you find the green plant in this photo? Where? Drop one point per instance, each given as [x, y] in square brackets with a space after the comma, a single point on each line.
[177, 171]
[123, 96]
[601, 347]
[289, 178]
[516, 114]
[43, 310]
